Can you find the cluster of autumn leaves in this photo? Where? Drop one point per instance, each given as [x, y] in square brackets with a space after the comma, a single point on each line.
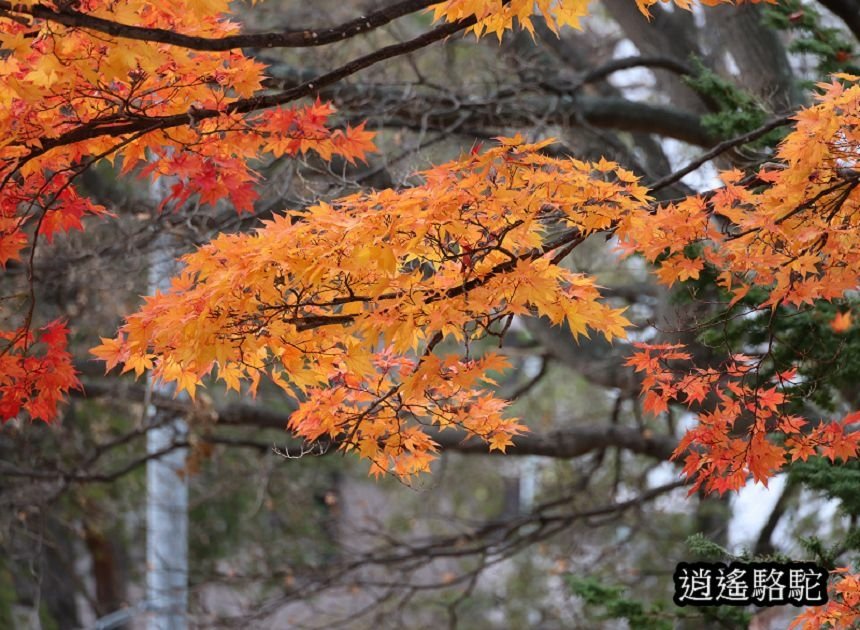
[70, 97]
[346, 305]
[479, 243]
[791, 228]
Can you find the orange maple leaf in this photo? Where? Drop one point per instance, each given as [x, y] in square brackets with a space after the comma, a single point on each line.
[841, 322]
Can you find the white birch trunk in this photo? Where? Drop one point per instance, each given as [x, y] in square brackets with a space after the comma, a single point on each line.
[167, 491]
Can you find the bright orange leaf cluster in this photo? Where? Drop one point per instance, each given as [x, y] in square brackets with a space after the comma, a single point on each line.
[735, 439]
[346, 302]
[496, 16]
[842, 609]
[792, 229]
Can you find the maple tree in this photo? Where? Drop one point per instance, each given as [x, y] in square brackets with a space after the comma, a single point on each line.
[164, 110]
[347, 304]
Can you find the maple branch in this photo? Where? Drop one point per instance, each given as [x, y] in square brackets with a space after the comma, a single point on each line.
[574, 440]
[284, 39]
[570, 238]
[722, 147]
[99, 128]
[567, 443]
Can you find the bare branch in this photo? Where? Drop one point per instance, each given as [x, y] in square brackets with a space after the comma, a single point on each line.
[722, 147]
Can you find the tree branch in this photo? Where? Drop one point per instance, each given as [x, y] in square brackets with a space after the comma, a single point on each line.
[567, 443]
[98, 129]
[574, 440]
[643, 61]
[285, 39]
[722, 147]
